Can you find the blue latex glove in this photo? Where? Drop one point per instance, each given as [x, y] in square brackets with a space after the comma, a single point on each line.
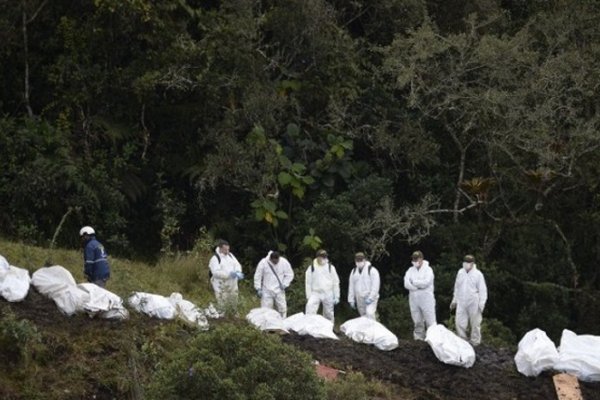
[259, 292]
[336, 300]
[368, 301]
[282, 287]
[352, 305]
[233, 275]
[240, 275]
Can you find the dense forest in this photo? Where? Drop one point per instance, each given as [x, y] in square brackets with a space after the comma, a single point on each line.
[384, 126]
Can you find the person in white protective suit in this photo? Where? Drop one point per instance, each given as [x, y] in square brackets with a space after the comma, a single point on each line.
[363, 287]
[225, 271]
[419, 282]
[322, 286]
[272, 277]
[470, 296]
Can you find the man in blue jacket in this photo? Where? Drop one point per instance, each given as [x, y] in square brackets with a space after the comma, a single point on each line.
[95, 267]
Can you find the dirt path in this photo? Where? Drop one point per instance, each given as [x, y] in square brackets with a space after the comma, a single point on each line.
[414, 366]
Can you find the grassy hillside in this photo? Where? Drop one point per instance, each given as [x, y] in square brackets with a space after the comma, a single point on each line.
[46, 355]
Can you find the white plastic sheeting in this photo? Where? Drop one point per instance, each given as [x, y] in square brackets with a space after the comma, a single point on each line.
[536, 353]
[58, 284]
[313, 325]
[579, 355]
[3, 265]
[103, 303]
[14, 283]
[153, 305]
[188, 311]
[266, 319]
[157, 306]
[449, 348]
[369, 331]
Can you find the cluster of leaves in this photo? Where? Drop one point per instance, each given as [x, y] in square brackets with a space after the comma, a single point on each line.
[314, 123]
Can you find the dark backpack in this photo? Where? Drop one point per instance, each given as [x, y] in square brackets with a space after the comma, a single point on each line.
[369, 271]
[312, 267]
[210, 274]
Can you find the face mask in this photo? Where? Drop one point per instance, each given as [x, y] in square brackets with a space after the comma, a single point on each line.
[321, 260]
[467, 265]
[416, 263]
[360, 264]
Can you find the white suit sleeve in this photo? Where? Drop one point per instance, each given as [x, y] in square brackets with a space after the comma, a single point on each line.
[455, 287]
[351, 297]
[425, 281]
[407, 283]
[483, 294]
[336, 283]
[308, 284]
[288, 274]
[258, 275]
[215, 268]
[375, 284]
[238, 266]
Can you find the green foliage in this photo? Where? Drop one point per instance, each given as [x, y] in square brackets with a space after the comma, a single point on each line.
[19, 340]
[395, 315]
[239, 363]
[354, 386]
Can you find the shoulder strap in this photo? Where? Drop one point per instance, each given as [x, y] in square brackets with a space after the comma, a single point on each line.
[370, 266]
[275, 273]
[218, 257]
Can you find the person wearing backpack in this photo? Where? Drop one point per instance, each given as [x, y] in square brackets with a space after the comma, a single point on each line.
[322, 286]
[363, 287]
[272, 277]
[225, 271]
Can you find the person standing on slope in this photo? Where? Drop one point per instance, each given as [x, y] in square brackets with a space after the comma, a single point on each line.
[322, 286]
[470, 296]
[363, 287]
[225, 272]
[418, 280]
[95, 268]
[272, 277]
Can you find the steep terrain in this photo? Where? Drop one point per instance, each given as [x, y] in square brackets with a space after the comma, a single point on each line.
[412, 368]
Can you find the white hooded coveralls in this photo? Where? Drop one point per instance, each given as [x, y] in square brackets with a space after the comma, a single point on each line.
[266, 281]
[364, 284]
[322, 286]
[419, 282]
[470, 296]
[225, 287]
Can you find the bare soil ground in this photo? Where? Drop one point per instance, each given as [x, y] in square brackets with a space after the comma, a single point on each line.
[412, 367]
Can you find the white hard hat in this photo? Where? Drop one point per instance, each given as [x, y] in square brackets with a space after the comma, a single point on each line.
[87, 230]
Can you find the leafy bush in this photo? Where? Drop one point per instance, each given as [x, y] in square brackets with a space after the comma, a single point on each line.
[395, 315]
[237, 362]
[354, 386]
[19, 340]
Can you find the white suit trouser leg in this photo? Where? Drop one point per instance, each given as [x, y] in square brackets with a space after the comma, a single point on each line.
[315, 299]
[422, 311]
[365, 310]
[469, 315]
[269, 298]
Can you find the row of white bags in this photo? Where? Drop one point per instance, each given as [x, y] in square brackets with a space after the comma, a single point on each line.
[362, 330]
[14, 281]
[578, 355]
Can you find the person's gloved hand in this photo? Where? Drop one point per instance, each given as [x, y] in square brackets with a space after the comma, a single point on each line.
[259, 293]
[368, 301]
[240, 275]
[481, 307]
[233, 275]
[352, 305]
[336, 300]
[282, 287]
[452, 306]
